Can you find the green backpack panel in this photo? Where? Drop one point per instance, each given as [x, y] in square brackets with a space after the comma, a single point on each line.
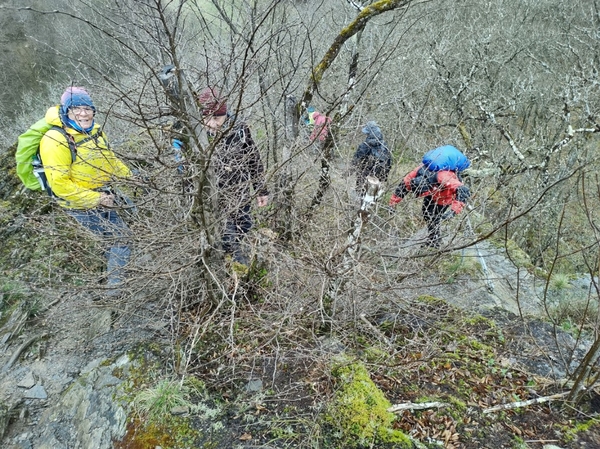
[29, 165]
[27, 150]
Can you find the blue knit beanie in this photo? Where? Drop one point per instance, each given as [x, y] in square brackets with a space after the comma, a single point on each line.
[76, 96]
[72, 97]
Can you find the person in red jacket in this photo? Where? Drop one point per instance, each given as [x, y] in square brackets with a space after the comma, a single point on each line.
[441, 190]
[320, 127]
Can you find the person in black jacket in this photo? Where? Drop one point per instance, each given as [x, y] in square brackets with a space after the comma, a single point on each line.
[238, 168]
[372, 158]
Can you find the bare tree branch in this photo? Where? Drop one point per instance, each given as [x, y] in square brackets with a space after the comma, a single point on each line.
[358, 24]
[519, 404]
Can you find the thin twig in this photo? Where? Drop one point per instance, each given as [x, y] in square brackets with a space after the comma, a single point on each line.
[519, 404]
[49, 306]
[19, 350]
[374, 329]
[412, 406]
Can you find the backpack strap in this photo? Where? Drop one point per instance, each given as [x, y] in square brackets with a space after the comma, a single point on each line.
[72, 147]
[71, 141]
[424, 181]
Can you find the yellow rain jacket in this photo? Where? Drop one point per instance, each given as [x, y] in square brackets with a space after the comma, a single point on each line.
[76, 184]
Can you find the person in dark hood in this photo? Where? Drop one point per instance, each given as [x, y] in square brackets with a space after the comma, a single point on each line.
[372, 158]
[238, 169]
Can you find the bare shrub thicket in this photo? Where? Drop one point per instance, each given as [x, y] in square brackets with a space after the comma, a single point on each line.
[513, 83]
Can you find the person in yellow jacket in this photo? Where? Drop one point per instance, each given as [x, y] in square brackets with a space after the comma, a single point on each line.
[83, 185]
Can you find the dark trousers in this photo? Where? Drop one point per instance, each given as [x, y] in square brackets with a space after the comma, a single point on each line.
[433, 213]
[237, 225]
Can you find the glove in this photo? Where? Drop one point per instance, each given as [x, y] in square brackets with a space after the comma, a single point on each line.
[457, 207]
[177, 144]
[463, 194]
[394, 200]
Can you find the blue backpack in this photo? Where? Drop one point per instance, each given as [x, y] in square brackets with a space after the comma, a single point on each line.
[446, 157]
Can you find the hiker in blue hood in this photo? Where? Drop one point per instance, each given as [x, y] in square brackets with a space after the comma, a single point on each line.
[372, 158]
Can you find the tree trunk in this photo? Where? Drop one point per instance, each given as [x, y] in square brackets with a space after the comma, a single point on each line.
[350, 254]
[197, 151]
[285, 190]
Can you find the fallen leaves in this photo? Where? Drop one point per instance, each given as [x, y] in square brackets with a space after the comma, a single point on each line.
[245, 437]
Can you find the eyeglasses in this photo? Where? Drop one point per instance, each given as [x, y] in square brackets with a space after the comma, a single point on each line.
[81, 109]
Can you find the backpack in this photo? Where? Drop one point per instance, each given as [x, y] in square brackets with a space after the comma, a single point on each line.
[29, 164]
[446, 157]
[380, 153]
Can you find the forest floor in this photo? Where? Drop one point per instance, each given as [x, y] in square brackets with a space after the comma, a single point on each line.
[480, 364]
[468, 338]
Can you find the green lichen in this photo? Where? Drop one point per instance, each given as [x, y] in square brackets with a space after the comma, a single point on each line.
[173, 433]
[570, 433]
[458, 265]
[458, 405]
[358, 413]
[477, 320]
[519, 257]
[431, 300]
[376, 355]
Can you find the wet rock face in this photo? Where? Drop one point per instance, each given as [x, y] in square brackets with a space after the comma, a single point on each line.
[89, 412]
[85, 415]
[539, 347]
[68, 395]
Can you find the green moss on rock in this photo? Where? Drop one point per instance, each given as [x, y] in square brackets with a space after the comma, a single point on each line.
[359, 411]
[431, 300]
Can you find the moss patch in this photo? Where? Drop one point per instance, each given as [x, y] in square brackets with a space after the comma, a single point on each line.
[358, 413]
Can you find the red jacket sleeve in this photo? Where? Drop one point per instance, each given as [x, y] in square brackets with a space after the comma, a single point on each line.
[404, 187]
[412, 175]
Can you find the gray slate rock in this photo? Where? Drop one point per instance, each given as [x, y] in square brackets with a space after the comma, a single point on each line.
[254, 386]
[28, 381]
[36, 392]
[87, 415]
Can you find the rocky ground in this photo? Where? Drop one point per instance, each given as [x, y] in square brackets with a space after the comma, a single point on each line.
[59, 391]
[57, 378]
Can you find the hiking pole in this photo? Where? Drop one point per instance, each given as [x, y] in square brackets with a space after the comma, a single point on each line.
[484, 268]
